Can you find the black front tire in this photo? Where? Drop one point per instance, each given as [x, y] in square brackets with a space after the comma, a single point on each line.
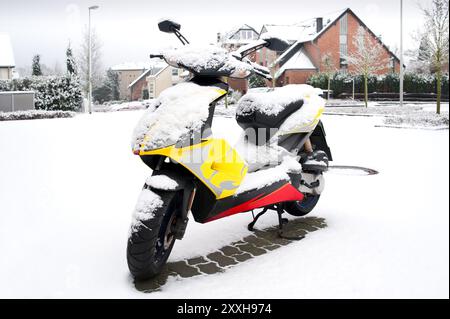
[304, 207]
[148, 249]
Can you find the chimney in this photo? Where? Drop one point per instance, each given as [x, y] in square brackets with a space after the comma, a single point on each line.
[319, 24]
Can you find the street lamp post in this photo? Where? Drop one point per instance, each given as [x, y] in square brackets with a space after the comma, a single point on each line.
[90, 59]
[401, 53]
[353, 88]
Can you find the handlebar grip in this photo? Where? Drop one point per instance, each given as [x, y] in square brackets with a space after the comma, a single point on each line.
[159, 56]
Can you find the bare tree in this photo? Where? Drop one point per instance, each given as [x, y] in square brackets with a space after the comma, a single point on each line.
[329, 69]
[368, 58]
[434, 42]
[83, 61]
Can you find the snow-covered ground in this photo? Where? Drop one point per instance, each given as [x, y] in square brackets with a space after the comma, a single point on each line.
[68, 187]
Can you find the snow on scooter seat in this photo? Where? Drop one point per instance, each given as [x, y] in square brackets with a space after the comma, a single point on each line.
[274, 100]
[181, 109]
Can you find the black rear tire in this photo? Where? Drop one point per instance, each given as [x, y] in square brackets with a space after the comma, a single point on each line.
[148, 246]
[304, 207]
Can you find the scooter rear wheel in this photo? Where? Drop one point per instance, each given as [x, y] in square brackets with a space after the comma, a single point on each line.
[150, 245]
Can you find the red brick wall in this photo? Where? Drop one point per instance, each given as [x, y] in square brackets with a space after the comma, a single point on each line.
[240, 85]
[327, 43]
[136, 93]
[353, 25]
[294, 77]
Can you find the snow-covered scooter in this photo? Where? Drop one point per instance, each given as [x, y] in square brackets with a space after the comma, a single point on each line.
[276, 165]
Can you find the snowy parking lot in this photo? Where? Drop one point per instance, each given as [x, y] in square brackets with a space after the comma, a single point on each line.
[68, 188]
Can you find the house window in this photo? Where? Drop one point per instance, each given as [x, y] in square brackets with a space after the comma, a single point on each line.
[151, 88]
[175, 72]
[392, 64]
[246, 35]
[343, 38]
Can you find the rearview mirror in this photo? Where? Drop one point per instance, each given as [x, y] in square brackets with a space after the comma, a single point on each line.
[169, 26]
[276, 44]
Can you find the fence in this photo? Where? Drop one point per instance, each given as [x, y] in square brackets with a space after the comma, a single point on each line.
[16, 101]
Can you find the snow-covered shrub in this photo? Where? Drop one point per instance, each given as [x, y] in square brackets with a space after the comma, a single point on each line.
[256, 81]
[419, 119]
[52, 93]
[5, 85]
[34, 115]
[388, 83]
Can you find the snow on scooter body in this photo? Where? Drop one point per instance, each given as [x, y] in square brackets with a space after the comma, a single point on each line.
[277, 163]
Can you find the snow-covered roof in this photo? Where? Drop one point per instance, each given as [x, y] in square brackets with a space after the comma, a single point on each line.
[299, 61]
[302, 31]
[6, 51]
[154, 71]
[289, 32]
[310, 34]
[229, 36]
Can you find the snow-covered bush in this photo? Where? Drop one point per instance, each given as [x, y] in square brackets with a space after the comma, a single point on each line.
[52, 93]
[34, 115]
[419, 119]
[5, 85]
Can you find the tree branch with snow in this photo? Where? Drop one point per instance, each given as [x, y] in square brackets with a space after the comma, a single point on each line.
[368, 58]
[434, 41]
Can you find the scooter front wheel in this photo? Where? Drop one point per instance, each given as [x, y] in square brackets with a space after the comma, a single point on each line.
[150, 244]
[304, 207]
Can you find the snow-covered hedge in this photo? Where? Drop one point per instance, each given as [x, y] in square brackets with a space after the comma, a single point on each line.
[52, 93]
[390, 83]
[33, 115]
[419, 119]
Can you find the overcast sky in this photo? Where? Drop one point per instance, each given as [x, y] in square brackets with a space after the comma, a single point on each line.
[128, 28]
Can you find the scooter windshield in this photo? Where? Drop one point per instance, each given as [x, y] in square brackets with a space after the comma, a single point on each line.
[180, 110]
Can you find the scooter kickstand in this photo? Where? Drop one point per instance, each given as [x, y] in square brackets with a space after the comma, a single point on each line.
[282, 221]
[251, 226]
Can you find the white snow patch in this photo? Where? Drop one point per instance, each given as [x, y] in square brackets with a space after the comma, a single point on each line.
[130, 106]
[180, 109]
[147, 203]
[163, 182]
[263, 178]
[258, 156]
[273, 101]
[389, 245]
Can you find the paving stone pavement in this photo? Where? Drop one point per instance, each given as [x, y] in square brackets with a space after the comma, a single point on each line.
[259, 243]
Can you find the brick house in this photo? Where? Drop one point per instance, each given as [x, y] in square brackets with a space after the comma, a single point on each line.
[127, 74]
[153, 81]
[233, 40]
[331, 35]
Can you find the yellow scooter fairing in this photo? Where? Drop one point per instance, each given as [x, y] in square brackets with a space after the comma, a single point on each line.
[213, 161]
